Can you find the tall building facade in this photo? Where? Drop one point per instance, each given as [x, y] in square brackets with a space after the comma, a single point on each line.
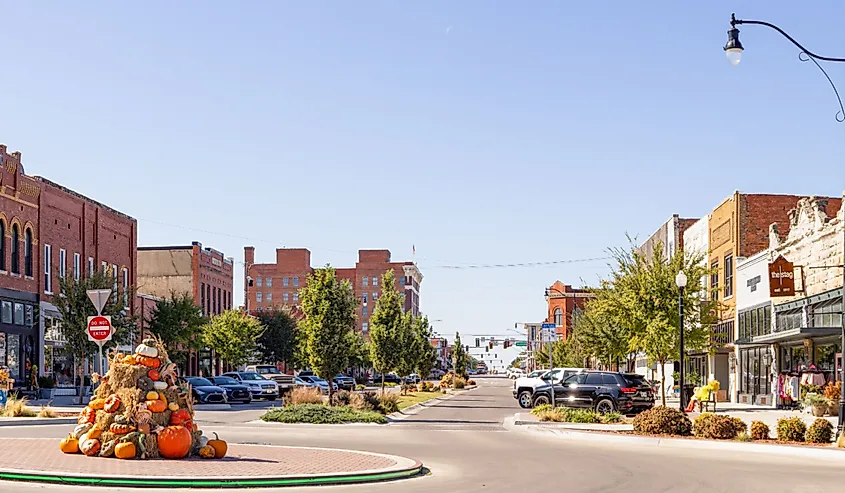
[48, 233]
[204, 273]
[268, 285]
[564, 305]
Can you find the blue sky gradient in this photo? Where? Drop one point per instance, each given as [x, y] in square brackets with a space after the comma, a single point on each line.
[481, 132]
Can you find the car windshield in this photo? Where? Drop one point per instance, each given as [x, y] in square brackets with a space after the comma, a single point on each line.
[225, 381]
[318, 380]
[268, 370]
[535, 374]
[252, 376]
[200, 382]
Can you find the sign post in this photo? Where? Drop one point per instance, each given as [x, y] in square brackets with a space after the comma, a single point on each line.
[549, 335]
[99, 326]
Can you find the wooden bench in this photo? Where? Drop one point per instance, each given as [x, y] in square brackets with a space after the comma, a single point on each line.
[708, 405]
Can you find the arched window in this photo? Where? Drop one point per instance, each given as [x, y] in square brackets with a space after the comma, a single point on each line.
[558, 317]
[27, 252]
[16, 261]
[2, 245]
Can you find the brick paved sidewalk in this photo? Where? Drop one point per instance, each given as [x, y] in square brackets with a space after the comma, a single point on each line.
[42, 456]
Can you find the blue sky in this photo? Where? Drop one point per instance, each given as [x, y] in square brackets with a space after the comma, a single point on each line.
[481, 132]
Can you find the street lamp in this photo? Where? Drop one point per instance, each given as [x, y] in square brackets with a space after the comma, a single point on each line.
[681, 282]
[733, 49]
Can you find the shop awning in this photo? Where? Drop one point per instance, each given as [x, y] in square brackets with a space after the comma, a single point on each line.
[790, 335]
[50, 309]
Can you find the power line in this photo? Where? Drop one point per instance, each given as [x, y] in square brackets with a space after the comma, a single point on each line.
[519, 264]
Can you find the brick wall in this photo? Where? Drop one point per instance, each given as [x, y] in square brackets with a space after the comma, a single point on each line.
[566, 298]
[19, 195]
[213, 279]
[757, 212]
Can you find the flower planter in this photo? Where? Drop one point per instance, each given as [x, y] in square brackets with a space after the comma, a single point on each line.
[46, 394]
[833, 409]
[819, 411]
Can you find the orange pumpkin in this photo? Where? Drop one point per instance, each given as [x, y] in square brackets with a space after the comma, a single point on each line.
[87, 415]
[111, 404]
[156, 406]
[181, 417]
[97, 403]
[220, 447]
[174, 442]
[129, 360]
[154, 375]
[152, 395]
[125, 450]
[95, 432]
[121, 429]
[206, 452]
[69, 445]
[147, 361]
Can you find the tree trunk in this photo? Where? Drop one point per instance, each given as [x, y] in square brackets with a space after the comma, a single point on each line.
[81, 379]
[331, 394]
[382, 383]
[663, 382]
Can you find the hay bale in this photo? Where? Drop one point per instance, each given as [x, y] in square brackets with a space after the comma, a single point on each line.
[151, 444]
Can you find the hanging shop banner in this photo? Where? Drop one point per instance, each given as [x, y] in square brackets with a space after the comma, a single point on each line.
[781, 278]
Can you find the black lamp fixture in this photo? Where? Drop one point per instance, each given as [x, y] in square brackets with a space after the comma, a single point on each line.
[733, 48]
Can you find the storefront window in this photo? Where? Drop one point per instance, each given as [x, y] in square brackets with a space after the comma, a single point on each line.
[19, 318]
[826, 356]
[13, 359]
[789, 320]
[793, 358]
[827, 314]
[30, 315]
[6, 312]
[755, 368]
[3, 349]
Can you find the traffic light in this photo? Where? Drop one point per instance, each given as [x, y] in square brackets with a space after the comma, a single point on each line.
[491, 344]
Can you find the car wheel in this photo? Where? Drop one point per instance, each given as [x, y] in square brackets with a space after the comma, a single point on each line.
[605, 406]
[540, 400]
[524, 399]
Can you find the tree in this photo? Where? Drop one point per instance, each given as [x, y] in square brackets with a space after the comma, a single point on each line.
[232, 335]
[385, 327]
[329, 307]
[426, 355]
[459, 354]
[277, 343]
[408, 347]
[359, 350]
[179, 322]
[75, 307]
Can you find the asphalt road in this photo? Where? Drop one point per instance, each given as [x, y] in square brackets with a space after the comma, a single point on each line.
[462, 442]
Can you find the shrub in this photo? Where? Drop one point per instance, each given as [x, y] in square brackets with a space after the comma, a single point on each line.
[831, 391]
[743, 436]
[459, 383]
[447, 379]
[541, 409]
[428, 386]
[47, 382]
[359, 402]
[471, 382]
[304, 395]
[17, 407]
[341, 398]
[791, 430]
[371, 399]
[821, 431]
[662, 420]
[388, 403]
[47, 412]
[360, 386]
[587, 416]
[556, 415]
[718, 426]
[320, 414]
[611, 418]
[816, 400]
[759, 430]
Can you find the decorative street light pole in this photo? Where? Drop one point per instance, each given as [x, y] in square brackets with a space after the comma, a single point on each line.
[733, 49]
[681, 282]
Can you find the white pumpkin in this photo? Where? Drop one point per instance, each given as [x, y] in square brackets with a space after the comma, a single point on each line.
[203, 441]
[148, 351]
[160, 385]
[81, 430]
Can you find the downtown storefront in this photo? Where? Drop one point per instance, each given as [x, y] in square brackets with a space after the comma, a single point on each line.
[19, 343]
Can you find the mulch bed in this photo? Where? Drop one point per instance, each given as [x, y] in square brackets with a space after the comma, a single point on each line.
[767, 442]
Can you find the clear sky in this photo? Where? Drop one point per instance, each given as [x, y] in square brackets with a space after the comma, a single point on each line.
[482, 132]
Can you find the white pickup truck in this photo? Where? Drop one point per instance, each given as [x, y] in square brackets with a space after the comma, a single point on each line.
[523, 387]
[270, 372]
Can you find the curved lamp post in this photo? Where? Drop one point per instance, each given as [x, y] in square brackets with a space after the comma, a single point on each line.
[733, 49]
[681, 282]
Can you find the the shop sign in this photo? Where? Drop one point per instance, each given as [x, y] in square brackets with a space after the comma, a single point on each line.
[781, 278]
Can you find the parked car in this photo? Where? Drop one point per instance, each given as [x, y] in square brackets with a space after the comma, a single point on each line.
[270, 372]
[413, 378]
[205, 392]
[343, 382]
[523, 387]
[602, 391]
[388, 378]
[436, 374]
[235, 391]
[259, 387]
[515, 372]
[319, 383]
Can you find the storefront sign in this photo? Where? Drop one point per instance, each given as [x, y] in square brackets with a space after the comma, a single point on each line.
[781, 278]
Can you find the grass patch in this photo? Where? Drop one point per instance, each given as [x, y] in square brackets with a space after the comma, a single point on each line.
[569, 415]
[416, 398]
[322, 415]
[17, 407]
[47, 412]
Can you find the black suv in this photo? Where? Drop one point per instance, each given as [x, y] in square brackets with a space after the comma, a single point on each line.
[603, 391]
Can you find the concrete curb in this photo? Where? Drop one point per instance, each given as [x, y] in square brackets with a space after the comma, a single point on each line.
[830, 454]
[403, 414]
[36, 421]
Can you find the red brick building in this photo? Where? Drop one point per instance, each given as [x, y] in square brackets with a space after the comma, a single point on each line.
[204, 273]
[278, 284]
[50, 232]
[564, 303]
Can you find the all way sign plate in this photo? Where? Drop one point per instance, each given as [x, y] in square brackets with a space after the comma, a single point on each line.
[99, 328]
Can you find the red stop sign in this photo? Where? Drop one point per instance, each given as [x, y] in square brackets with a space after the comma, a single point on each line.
[99, 328]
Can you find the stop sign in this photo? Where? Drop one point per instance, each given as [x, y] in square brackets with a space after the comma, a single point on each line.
[99, 328]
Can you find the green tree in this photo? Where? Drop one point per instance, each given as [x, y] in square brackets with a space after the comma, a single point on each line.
[386, 327]
[179, 322]
[329, 307]
[75, 307]
[359, 350]
[460, 356]
[426, 354]
[232, 335]
[277, 343]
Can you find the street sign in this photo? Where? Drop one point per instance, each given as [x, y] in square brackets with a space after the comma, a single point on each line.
[548, 326]
[521, 344]
[781, 278]
[99, 329]
[99, 297]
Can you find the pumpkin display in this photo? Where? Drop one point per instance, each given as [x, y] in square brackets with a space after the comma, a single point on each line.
[125, 450]
[162, 398]
[90, 447]
[154, 375]
[145, 383]
[181, 417]
[174, 442]
[152, 395]
[107, 449]
[97, 403]
[81, 430]
[121, 429]
[87, 415]
[220, 447]
[112, 404]
[148, 361]
[207, 452]
[122, 419]
[156, 406]
[94, 432]
[173, 406]
[147, 348]
[144, 428]
[160, 386]
[129, 360]
[69, 445]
